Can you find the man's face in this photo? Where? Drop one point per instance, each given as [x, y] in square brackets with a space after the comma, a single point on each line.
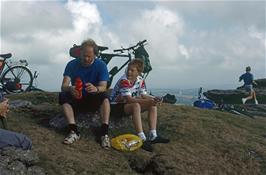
[87, 55]
[132, 73]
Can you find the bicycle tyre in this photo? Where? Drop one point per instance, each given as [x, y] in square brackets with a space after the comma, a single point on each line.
[10, 75]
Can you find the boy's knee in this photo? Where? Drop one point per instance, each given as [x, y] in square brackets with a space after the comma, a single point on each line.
[136, 106]
[154, 108]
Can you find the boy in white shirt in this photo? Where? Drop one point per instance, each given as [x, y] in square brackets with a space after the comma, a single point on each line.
[129, 97]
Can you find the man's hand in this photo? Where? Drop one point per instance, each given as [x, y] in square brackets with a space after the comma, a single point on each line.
[90, 88]
[4, 108]
[74, 92]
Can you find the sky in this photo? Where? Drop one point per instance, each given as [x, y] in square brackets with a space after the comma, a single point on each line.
[191, 44]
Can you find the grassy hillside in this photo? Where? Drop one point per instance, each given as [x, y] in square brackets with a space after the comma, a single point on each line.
[202, 142]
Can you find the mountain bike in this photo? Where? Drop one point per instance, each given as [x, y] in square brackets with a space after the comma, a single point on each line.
[15, 77]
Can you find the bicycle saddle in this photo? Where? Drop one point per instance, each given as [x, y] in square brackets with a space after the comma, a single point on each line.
[5, 56]
[102, 48]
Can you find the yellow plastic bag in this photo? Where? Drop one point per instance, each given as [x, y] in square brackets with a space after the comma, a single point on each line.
[126, 142]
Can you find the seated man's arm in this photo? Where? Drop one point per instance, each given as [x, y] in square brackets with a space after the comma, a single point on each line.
[102, 86]
[65, 84]
[67, 88]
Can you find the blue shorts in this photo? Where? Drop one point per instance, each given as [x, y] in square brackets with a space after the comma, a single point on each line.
[248, 88]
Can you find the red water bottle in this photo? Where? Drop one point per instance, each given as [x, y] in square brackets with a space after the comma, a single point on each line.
[78, 87]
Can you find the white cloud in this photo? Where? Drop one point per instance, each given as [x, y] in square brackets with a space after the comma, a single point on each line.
[188, 47]
[162, 28]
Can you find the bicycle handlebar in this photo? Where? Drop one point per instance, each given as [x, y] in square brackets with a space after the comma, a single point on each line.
[132, 47]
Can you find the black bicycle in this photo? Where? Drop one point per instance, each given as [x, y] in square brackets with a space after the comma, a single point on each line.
[15, 77]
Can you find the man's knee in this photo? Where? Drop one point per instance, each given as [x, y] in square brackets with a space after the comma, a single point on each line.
[64, 97]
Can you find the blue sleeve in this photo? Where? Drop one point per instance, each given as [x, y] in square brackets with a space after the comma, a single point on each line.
[103, 75]
[68, 70]
[241, 77]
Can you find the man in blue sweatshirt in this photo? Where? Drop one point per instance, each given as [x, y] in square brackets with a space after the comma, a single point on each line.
[248, 81]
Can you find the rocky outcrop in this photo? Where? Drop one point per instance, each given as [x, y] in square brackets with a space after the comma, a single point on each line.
[234, 96]
[87, 121]
[168, 98]
[17, 161]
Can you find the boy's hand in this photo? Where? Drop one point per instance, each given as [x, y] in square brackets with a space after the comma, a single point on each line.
[4, 108]
[158, 100]
[74, 92]
[152, 102]
[90, 88]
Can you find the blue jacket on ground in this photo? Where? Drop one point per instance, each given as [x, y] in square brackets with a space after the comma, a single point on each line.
[9, 138]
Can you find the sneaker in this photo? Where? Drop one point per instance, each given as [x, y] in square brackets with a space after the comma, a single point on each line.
[105, 141]
[159, 139]
[71, 138]
[244, 100]
[147, 146]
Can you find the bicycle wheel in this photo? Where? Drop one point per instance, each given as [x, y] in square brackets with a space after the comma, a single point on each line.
[17, 79]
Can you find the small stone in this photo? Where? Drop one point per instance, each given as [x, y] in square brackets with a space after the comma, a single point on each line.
[35, 170]
[17, 167]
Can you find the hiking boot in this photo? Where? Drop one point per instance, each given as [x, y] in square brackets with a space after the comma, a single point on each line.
[159, 139]
[147, 146]
[105, 141]
[71, 138]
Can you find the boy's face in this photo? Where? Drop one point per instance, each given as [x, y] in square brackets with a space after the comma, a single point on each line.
[132, 73]
[87, 55]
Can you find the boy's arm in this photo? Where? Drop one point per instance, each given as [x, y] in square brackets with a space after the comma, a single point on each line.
[141, 101]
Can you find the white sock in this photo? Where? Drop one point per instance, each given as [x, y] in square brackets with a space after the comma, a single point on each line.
[244, 100]
[152, 134]
[142, 136]
[256, 102]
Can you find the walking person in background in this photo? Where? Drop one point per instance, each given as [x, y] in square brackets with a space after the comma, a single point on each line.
[248, 79]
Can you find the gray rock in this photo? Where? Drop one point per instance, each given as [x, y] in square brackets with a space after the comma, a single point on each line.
[4, 160]
[261, 83]
[234, 96]
[19, 104]
[28, 157]
[14, 161]
[5, 171]
[85, 120]
[17, 167]
[35, 170]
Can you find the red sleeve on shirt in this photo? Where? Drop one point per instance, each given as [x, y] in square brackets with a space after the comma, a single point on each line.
[143, 86]
[125, 84]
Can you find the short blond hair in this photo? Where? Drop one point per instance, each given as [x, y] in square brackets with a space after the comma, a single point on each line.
[138, 63]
